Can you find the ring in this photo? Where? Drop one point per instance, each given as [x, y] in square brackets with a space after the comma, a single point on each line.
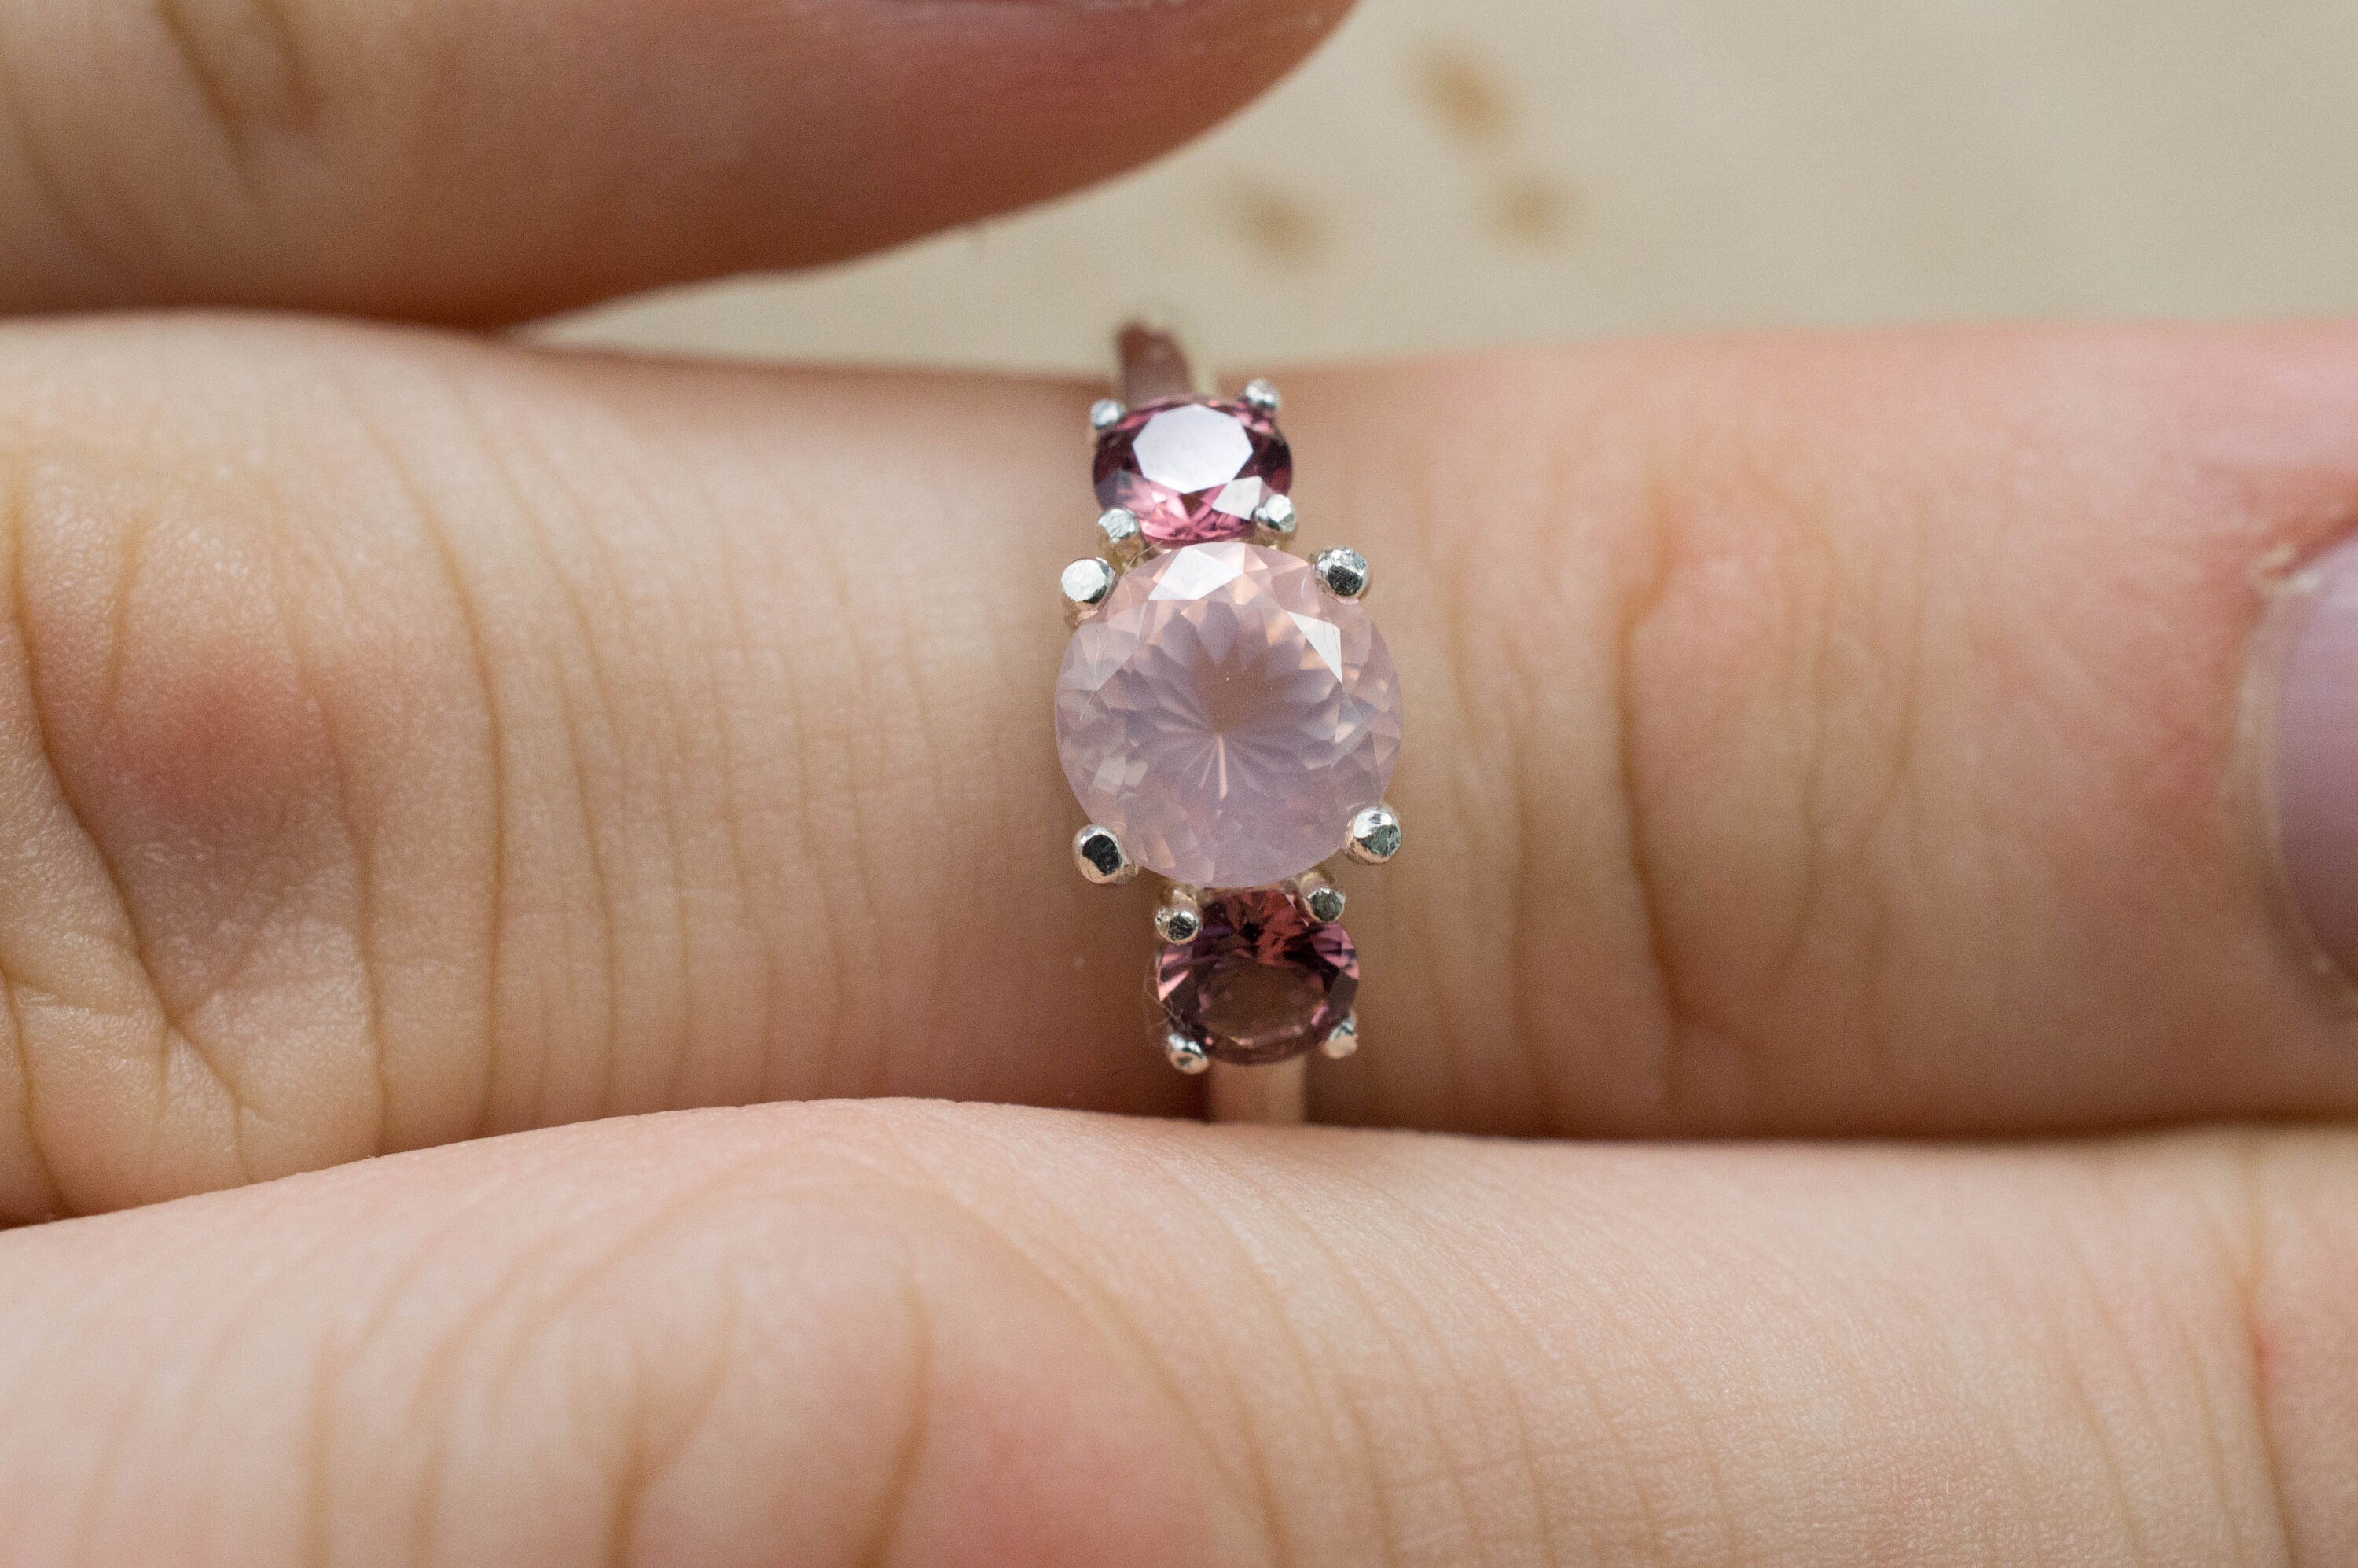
[1228, 718]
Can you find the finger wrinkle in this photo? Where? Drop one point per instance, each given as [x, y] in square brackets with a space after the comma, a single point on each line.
[1459, 1338]
[691, 773]
[1064, 1267]
[223, 745]
[49, 1201]
[895, 1497]
[458, 587]
[2244, 1233]
[941, 1243]
[149, 1009]
[572, 664]
[537, 1288]
[736, 768]
[834, 773]
[1437, 950]
[245, 59]
[404, 1281]
[2095, 1422]
[588, 717]
[1449, 1240]
[75, 230]
[233, 83]
[359, 850]
[1677, 1015]
[629, 747]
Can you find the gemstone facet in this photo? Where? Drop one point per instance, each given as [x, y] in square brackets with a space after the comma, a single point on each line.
[1192, 470]
[1224, 717]
[1263, 981]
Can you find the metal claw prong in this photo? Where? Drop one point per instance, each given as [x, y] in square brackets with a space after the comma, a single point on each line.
[1375, 836]
[1186, 1053]
[1105, 414]
[1274, 519]
[1100, 857]
[1179, 918]
[1117, 527]
[1085, 584]
[1341, 1040]
[1262, 394]
[1341, 572]
[1321, 897]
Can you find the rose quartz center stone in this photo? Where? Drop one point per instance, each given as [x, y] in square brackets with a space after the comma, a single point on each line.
[1225, 718]
[1192, 469]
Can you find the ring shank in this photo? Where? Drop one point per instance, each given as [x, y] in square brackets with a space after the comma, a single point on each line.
[1151, 367]
[1275, 1096]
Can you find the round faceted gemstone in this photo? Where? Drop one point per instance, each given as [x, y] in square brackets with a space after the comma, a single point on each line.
[1226, 718]
[1192, 470]
[1264, 981]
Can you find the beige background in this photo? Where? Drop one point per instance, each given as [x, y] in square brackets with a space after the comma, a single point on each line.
[1445, 173]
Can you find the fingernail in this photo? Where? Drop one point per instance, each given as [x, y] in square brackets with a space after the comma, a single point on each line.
[2313, 750]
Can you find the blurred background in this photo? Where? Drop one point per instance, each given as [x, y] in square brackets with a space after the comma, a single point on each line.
[1446, 174]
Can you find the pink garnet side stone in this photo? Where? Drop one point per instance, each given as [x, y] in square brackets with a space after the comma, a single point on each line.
[1192, 470]
[1225, 718]
[1262, 982]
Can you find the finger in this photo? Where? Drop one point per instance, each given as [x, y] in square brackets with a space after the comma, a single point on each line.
[927, 1335]
[475, 162]
[407, 740]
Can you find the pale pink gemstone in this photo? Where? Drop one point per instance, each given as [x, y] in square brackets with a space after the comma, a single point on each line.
[1224, 717]
[1192, 469]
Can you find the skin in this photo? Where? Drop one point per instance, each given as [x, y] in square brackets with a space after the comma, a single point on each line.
[408, 738]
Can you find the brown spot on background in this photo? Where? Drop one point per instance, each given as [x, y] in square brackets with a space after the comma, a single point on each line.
[1282, 227]
[1466, 97]
[1534, 208]
[1473, 104]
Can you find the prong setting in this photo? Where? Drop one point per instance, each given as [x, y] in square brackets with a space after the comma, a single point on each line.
[1341, 572]
[1185, 1053]
[1262, 394]
[1274, 521]
[1100, 857]
[1085, 585]
[1179, 918]
[1321, 897]
[1343, 1039]
[1375, 836]
[1117, 527]
[1105, 414]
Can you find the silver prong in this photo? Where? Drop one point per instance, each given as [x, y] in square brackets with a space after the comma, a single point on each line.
[1179, 918]
[1321, 897]
[1343, 1039]
[1100, 857]
[1262, 394]
[1274, 518]
[1117, 527]
[1375, 836]
[1105, 414]
[1341, 572]
[1185, 1053]
[1085, 585]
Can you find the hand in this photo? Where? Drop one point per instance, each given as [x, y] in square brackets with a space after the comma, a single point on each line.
[406, 739]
